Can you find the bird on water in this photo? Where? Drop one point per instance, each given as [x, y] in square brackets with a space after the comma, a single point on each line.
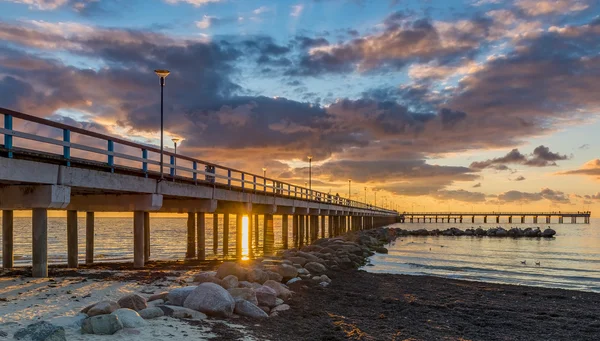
[523, 262]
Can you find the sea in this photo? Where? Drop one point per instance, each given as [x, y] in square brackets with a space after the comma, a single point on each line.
[571, 260]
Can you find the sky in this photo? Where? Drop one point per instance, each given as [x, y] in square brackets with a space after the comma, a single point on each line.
[425, 105]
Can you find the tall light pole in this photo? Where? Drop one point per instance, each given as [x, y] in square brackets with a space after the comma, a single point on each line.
[310, 174]
[365, 195]
[375, 192]
[349, 187]
[162, 74]
[175, 140]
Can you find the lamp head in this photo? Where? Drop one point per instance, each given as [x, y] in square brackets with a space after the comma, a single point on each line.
[309, 158]
[162, 74]
[264, 169]
[175, 140]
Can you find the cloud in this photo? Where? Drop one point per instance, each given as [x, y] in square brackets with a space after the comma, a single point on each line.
[296, 10]
[593, 196]
[260, 10]
[541, 157]
[520, 178]
[459, 195]
[210, 21]
[196, 3]
[584, 146]
[590, 168]
[477, 185]
[525, 197]
[546, 7]
[43, 5]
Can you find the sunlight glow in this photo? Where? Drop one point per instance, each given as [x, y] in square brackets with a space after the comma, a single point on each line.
[245, 232]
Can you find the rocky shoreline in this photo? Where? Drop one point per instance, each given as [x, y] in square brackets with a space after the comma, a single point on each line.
[514, 232]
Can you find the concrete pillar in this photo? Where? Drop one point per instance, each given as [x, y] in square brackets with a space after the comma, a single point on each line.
[330, 226]
[72, 251]
[295, 220]
[250, 233]
[39, 252]
[269, 241]
[138, 239]
[238, 235]
[7, 239]
[225, 234]
[146, 237]
[256, 231]
[322, 226]
[201, 232]
[191, 235]
[215, 233]
[284, 230]
[89, 237]
[301, 221]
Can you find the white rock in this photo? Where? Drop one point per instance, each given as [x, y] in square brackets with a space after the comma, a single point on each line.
[130, 318]
[211, 299]
[281, 307]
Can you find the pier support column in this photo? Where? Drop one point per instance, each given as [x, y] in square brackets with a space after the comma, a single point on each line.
[256, 231]
[300, 231]
[284, 230]
[39, 252]
[72, 251]
[485, 219]
[89, 237]
[191, 235]
[322, 226]
[138, 239]
[295, 220]
[250, 234]
[7, 239]
[201, 232]
[330, 226]
[523, 220]
[269, 241]
[146, 237]
[225, 234]
[239, 227]
[215, 233]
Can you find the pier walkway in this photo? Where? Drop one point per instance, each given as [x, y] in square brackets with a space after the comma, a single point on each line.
[460, 217]
[46, 165]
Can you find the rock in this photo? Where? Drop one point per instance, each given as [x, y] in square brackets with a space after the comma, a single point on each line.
[275, 276]
[211, 299]
[102, 308]
[41, 331]
[3, 334]
[129, 318]
[278, 301]
[324, 284]
[281, 307]
[500, 232]
[207, 277]
[247, 294]
[287, 271]
[228, 268]
[229, 282]
[265, 309]
[293, 280]
[266, 296]
[280, 290]
[324, 278]
[101, 325]
[246, 284]
[298, 260]
[133, 302]
[69, 321]
[181, 312]
[548, 233]
[161, 296]
[381, 250]
[245, 308]
[151, 313]
[257, 275]
[303, 271]
[178, 296]
[155, 303]
[316, 268]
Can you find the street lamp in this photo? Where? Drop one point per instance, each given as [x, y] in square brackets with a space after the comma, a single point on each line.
[310, 172]
[349, 187]
[264, 173]
[175, 140]
[162, 74]
[365, 195]
[375, 192]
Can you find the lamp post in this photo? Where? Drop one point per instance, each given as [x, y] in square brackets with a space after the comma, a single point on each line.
[310, 172]
[365, 195]
[175, 140]
[264, 173]
[162, 74]
[375, 192]
[349, 187]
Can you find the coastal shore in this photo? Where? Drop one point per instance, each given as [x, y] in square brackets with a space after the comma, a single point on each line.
[354, 305]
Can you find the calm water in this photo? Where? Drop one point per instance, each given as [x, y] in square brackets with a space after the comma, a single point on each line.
[569, 261]
[113, 238]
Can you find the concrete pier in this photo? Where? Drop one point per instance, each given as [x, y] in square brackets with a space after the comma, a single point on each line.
[72, 243]
[39, 252]
[215, 233]
[146, 237]
[191, 235]
[256, 232]
[238, 235]
[201, 234]
[89, 238]
[7, 239]
[138, 239]
[250, 235]
[323, 226]
[225, 234]
[295, 223]
[269, 241]
[284, 230]
[301, 222]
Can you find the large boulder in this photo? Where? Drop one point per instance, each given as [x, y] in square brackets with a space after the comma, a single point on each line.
[228, 268]
[178, 296]
[548, 233]
[246, 294]
[211, 299]
[101, 325]
[207, 277]
[298, 260]
[181, 312]
[151, 313]
[133, 302]
[280, 290]
[274, 276]
[102, 308]
[160, 296]
[41, 331]
[245, 308]
[257, 275]
[315, 268]
[229, 282]
[287, 271]
[266, 296]
[129, 318]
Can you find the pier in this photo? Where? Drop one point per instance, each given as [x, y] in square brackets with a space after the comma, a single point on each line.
[45, 165]
[494, 217]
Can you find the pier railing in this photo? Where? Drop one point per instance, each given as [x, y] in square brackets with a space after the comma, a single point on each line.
[85, 147]
[492, 213]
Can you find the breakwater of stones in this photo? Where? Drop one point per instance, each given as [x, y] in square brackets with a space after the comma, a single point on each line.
[514, 232]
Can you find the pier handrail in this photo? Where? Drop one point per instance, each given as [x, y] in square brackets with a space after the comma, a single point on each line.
[245, 181]
[565, 213]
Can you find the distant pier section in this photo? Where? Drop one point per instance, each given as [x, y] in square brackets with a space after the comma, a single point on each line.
[489, 217]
